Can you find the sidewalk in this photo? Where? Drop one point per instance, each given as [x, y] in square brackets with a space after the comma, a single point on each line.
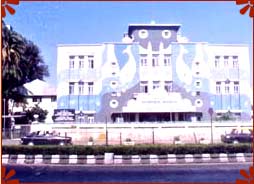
[10, 141]
[110, 158]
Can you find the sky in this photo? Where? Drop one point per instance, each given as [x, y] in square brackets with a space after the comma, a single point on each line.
[48, 24]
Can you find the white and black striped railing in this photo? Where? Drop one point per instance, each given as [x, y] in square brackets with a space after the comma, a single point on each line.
[110, 158]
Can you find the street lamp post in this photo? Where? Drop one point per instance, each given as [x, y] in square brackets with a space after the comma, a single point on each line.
[4, 117]
[106, 132]
[210, 111]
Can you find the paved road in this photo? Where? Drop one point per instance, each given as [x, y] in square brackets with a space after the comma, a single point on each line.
[165, 173]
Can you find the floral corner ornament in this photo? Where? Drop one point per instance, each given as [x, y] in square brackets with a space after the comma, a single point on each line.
[248, 178]
[6, 6]
[6, 178]
[249, 5]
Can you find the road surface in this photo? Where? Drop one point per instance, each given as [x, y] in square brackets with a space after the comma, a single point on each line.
[140, 173]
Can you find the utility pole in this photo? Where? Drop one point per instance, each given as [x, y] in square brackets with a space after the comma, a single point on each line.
[210, 111]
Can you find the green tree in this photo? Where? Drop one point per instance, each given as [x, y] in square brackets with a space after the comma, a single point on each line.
[42, 114]
[13, 47]
[21, 63]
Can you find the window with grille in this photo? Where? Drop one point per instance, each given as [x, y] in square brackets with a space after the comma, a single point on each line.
[81, 87]
[226, 61]
[236, 87]
[71, 61]
[144, 86]
[227, 87]
[155, 60]
[168, 86]
[167, 61]
[218, 87]
[71, 88]
[90, 88]
[217, 62]
[235, 61]
[91, 62]
[143, 60]
[156, 84]
[81, 61]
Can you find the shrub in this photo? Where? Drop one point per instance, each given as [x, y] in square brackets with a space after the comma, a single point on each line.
[128, 150]
[128, 139]
[90, 139]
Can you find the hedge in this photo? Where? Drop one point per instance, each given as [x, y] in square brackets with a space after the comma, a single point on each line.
[128, 150]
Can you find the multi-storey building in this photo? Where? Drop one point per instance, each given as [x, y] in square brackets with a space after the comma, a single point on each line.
[153, 75]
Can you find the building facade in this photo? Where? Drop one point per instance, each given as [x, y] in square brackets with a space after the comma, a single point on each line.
[154, 74]
[39, 94]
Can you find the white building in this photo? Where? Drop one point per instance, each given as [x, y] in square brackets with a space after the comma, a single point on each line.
[154, 75]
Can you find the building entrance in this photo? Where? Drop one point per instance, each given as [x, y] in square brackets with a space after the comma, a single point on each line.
[156, 117]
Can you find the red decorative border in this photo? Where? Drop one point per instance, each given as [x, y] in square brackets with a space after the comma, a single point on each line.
[5, 6]
[249, 5]
[6, 177]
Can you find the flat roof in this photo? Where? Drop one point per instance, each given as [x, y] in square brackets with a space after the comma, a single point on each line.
[213, 44]
[79, 44]
[157, 25]
[97, 44]
[152, 25]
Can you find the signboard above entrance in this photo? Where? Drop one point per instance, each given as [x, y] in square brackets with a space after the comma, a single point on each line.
[63, 115]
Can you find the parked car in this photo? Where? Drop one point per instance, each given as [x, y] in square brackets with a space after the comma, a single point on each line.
[238, 136]
[45, 138]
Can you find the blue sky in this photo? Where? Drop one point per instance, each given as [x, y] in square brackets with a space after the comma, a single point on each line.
[50, 23]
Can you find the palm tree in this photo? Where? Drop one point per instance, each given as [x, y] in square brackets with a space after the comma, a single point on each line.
[13, 47]
[21, 63]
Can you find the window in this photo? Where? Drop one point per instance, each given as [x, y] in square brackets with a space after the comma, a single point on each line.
[235, 61]
[143, 60]
[167, 60]
[143, 33]
[168, 86]
[218, 87]
[113, 104]
[236, 87]
[198, 103]
[90, 88]
[156, 84]
[81, 87]
[217, 61]
[144, 86]
[71, 61]
[113, 94]
[225, 61]
[227, 88]
[81, 61]
[71, 88]
[90, 119]
[113, 84]
[90, 61]
[155, 60]
[166, 34]
[53, 99]
[198, 83]
[37, 99]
